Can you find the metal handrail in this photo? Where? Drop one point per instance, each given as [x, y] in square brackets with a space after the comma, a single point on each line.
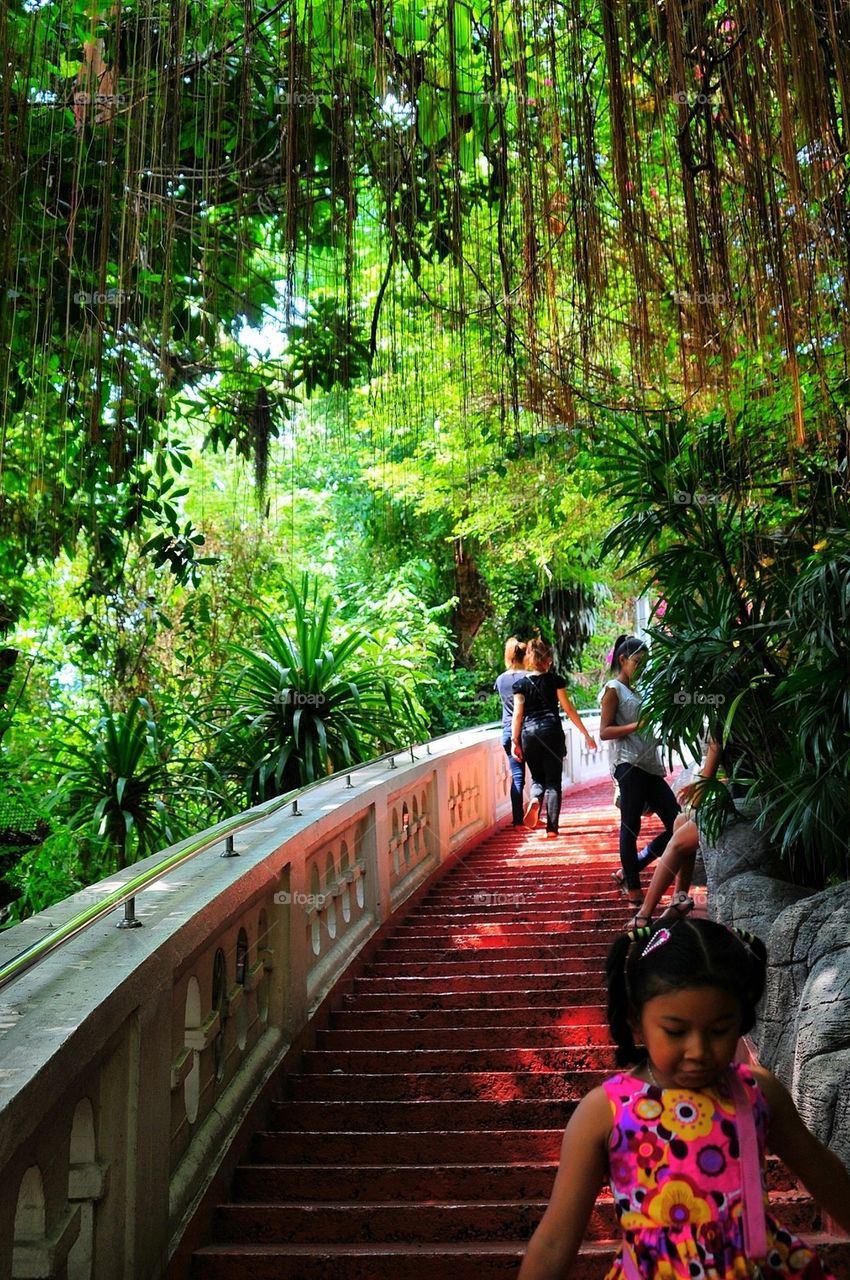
[39, 950]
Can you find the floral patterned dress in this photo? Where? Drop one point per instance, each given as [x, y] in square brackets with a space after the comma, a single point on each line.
[676, 1179]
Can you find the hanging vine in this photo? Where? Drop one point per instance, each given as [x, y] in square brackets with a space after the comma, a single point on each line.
[602, 202]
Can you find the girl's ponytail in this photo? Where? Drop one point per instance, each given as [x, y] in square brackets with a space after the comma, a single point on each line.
[624, 646]
[514, 652]
[615, 654]
[753, 974]
[619, 1002]
[754, 944]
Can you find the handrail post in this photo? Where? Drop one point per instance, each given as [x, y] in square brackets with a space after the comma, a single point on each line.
[129, 920]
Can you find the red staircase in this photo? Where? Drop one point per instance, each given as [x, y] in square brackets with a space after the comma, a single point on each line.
[421, 1137]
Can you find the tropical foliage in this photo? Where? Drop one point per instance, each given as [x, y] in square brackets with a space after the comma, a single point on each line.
[306, 702]
[749, 552]
[114, 785]
[497, 216]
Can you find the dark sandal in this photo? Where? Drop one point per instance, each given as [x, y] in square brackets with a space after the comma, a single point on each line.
[620, 881]
[680, 905]
[638, 921]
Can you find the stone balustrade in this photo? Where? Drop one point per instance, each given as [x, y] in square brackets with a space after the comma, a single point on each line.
[129, 1057]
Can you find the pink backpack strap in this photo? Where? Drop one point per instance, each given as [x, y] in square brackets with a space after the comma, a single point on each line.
[631, 1270]
[752, 1191]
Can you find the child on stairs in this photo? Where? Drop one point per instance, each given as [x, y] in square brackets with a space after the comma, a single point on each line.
[681, 1132]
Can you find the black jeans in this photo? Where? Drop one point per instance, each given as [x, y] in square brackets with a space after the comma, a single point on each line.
[544, 748]
[637, 790]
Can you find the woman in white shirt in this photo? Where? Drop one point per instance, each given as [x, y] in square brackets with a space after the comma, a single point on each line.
[636, 766]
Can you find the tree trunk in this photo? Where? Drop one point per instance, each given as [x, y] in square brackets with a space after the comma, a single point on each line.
[8, 661]
[473, 602]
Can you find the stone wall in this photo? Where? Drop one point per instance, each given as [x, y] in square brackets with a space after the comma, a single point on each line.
[803, 1031]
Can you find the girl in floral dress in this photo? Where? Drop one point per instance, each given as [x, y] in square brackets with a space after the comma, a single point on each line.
[665, 1131]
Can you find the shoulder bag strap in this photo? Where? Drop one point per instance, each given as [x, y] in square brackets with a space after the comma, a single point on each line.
[630, 1267]
[752, 1191]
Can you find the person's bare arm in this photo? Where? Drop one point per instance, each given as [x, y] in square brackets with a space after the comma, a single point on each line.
[554, 1246]
[516, 725]
[574, 718]
[819, 1169]
[693, 791]
[608, 730]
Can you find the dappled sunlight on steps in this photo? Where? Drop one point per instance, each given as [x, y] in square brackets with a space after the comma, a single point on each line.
[420, 1139]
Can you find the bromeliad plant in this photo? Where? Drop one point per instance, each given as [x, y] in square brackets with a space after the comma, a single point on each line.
[117, 785]
[305, 701]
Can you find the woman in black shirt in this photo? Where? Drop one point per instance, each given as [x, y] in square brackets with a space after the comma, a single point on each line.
[537, 736]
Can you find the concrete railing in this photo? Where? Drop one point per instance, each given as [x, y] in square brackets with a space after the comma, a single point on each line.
[129, 1058]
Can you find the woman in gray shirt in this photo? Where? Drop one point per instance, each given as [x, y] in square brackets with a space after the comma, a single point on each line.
[636, 765]
[504, 686]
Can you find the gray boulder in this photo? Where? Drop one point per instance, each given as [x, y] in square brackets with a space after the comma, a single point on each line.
[803, 1032]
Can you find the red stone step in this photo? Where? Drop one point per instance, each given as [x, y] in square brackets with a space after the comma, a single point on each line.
[554, 942]
[352, 1147]
[509, 889]
[476, 1260]
[278, 1183]
[476, 965]
[413, 1017]
[463, 1059]
[540, 992]
[392, 1038]
[516, 903]
[520, 1180]
[451, 1086]
[532, 919]
[446, 1116]
[435, 1219]
[552, 946]
[345, 1222]
[564, 977]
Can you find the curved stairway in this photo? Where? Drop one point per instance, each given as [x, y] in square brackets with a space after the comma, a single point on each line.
[421, 1137]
